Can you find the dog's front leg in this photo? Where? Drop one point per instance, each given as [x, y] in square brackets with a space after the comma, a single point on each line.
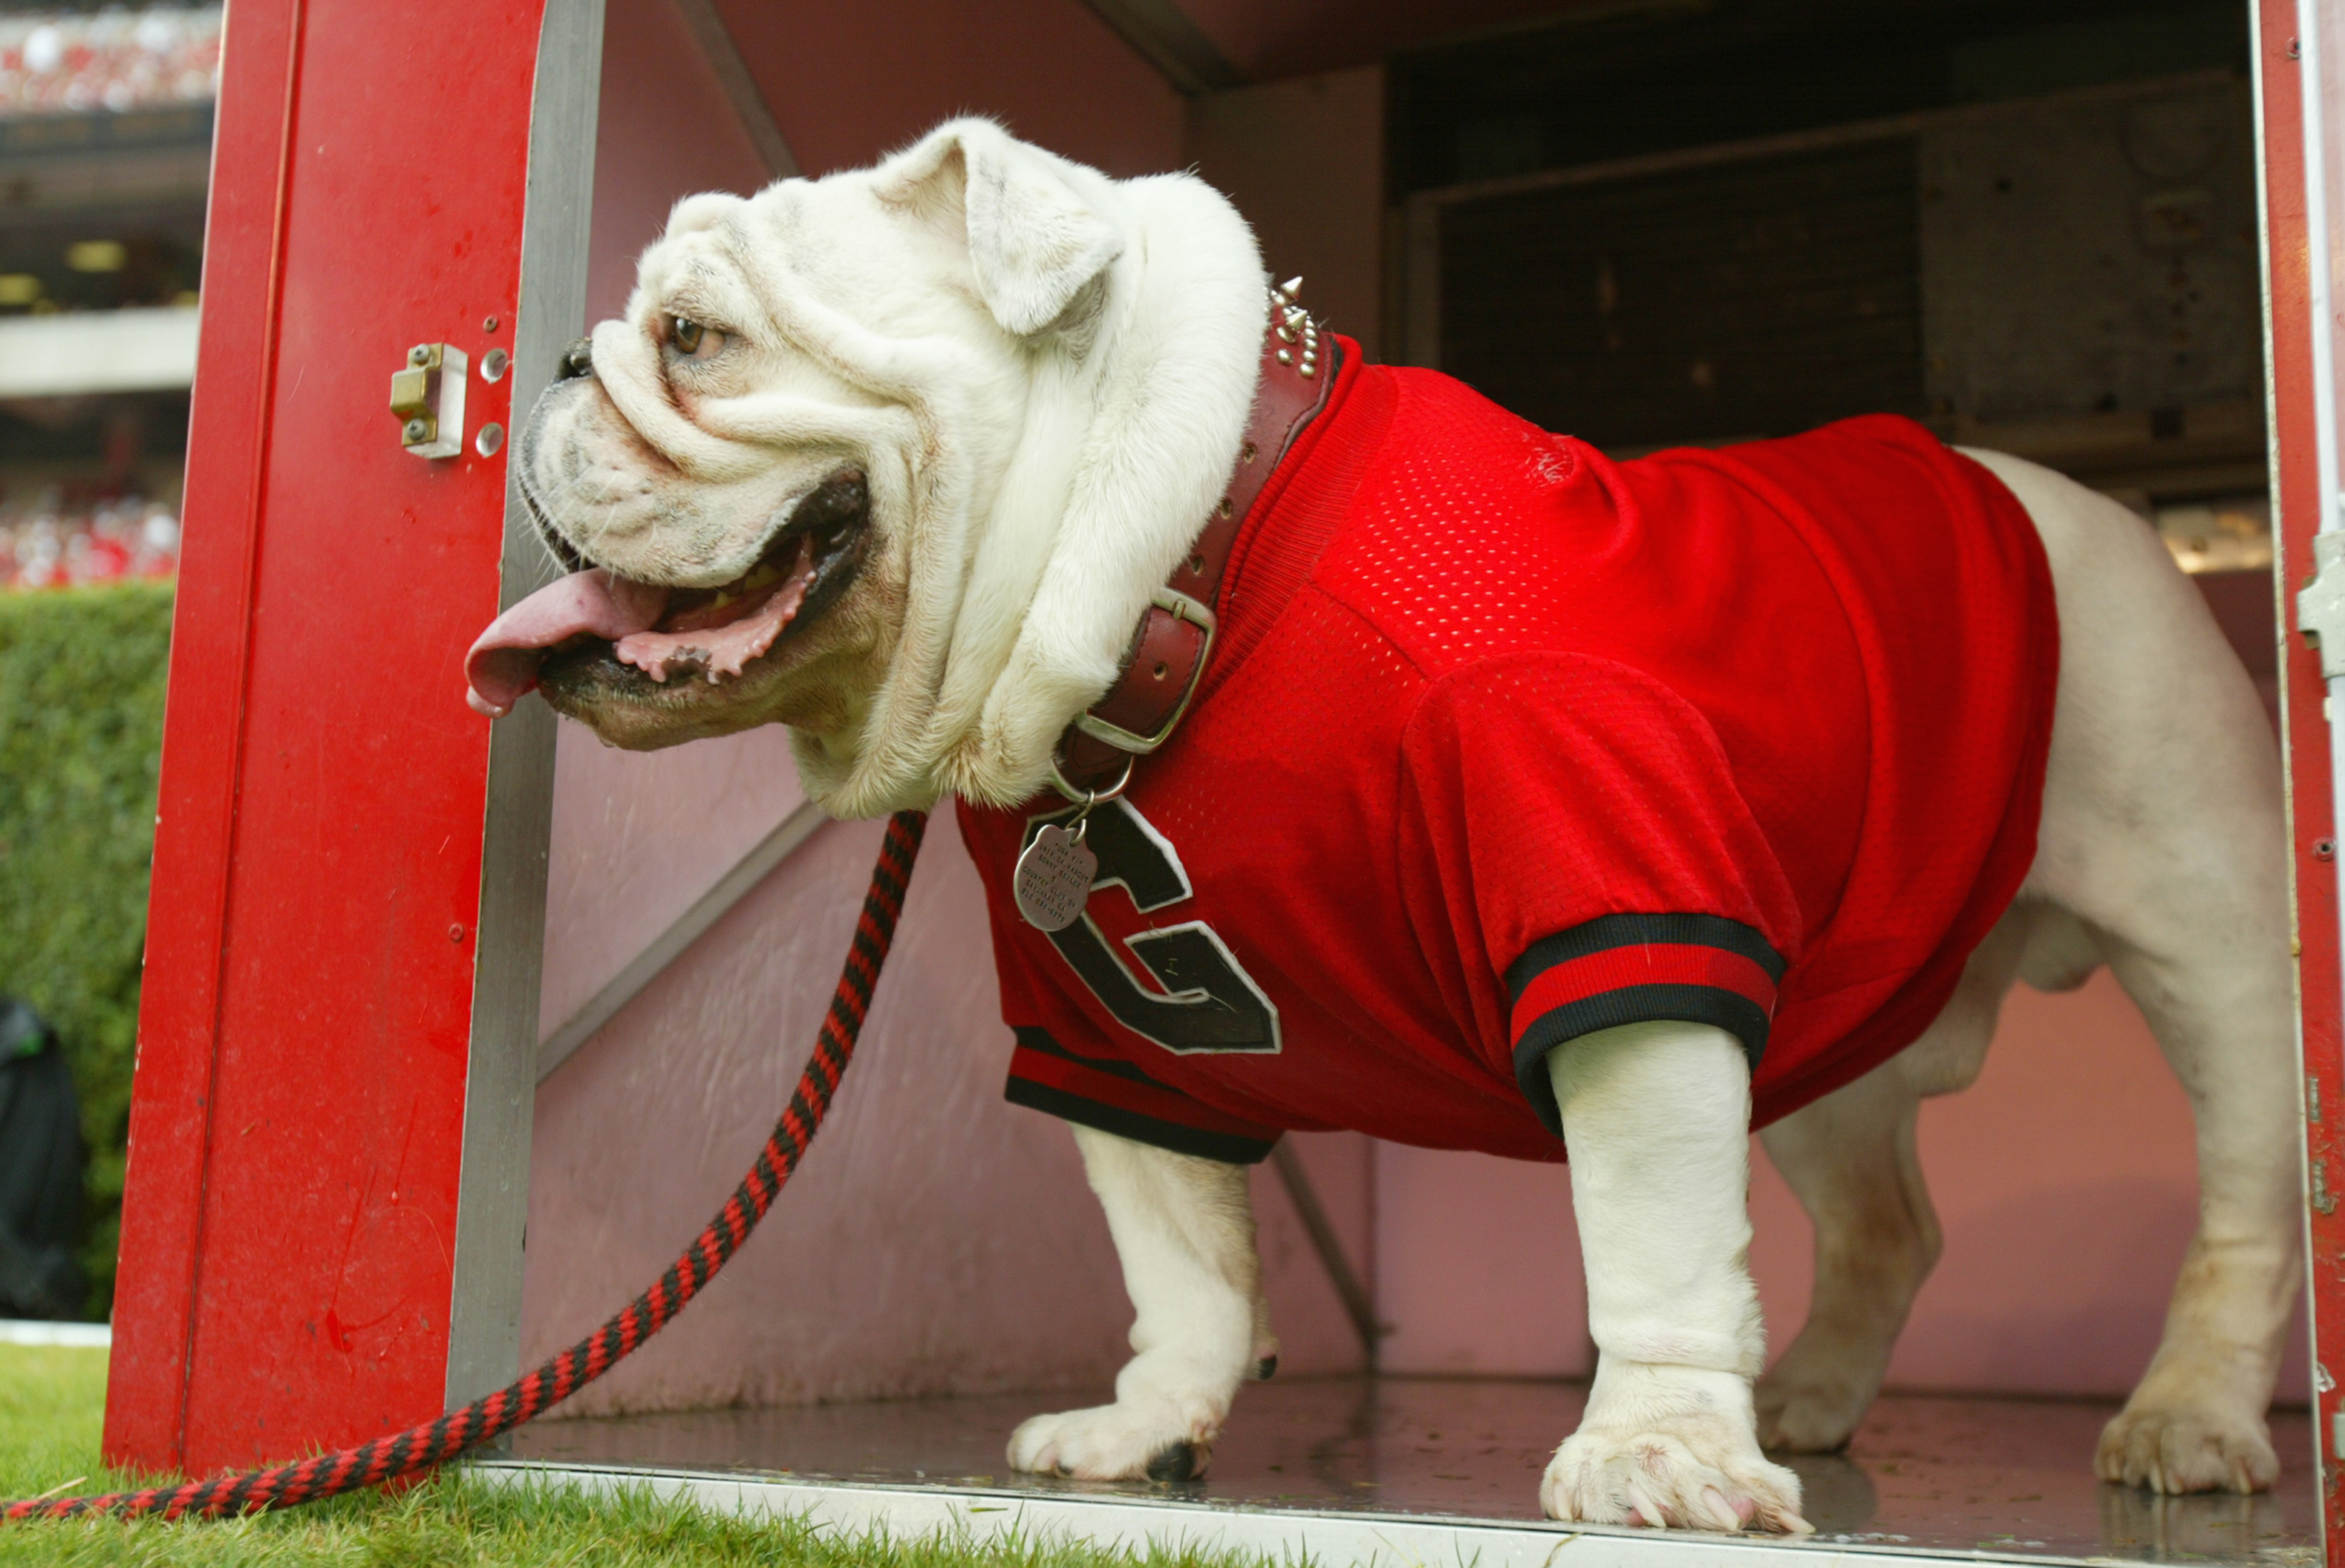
[1657, 1119]
[1183, 1230]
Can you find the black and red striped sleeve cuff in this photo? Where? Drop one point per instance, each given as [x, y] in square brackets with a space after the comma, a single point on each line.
[1118, 1098]
[1638, 969]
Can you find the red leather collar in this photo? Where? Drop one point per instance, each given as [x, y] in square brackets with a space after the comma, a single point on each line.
[1169, 651]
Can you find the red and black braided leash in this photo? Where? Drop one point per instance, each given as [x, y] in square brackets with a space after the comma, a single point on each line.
[434, 1442]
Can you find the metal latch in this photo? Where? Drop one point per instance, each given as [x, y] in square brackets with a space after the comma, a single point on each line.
[428, 396]
[2321, 607]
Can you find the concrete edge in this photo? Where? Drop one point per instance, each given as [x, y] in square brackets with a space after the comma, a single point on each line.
[24, 1332]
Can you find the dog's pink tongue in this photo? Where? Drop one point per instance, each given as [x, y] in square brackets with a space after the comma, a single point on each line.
[502, 664]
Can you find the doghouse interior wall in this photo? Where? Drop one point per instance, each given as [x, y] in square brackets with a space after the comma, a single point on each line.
[943, 1241]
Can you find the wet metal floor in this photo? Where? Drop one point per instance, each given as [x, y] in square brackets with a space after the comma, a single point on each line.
[1962, 1475]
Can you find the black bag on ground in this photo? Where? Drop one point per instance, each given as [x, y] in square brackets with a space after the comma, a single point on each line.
[41, 1165]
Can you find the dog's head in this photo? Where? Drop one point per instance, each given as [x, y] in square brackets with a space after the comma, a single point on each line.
[814, 474]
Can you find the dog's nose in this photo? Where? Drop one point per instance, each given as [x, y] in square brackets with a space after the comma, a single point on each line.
[578, 360]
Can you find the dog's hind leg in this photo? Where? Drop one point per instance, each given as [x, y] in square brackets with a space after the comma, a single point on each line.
[1851, 1160]
[2164, 832]
[2195, 1422]
[2205, 958]
[2206, 963]
[1183, 1230]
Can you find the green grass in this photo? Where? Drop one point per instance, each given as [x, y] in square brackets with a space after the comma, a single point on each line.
[50, 1406]
[81, 728]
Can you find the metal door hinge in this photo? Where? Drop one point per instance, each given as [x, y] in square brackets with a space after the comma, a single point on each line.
[427, 397]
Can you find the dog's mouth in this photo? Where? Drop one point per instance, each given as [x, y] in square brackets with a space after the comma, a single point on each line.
[667, 633]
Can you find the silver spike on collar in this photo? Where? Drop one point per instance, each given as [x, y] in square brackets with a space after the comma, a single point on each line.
[1294, 325]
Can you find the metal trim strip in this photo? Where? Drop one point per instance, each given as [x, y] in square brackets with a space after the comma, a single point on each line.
[501, 1081]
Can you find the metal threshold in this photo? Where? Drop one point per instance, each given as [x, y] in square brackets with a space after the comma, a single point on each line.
[1415, 1470]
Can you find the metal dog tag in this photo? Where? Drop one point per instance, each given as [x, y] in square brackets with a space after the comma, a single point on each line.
[1054, 881]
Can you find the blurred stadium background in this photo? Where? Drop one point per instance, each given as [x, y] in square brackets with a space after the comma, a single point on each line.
[105, 121]
[106, 127]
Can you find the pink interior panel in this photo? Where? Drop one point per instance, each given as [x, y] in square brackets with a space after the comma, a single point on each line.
[848, 82]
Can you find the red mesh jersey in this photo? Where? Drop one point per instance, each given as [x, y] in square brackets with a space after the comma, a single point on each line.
[1505, 742]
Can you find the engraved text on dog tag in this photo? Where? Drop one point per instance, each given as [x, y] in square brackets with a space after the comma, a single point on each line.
[1053, 880]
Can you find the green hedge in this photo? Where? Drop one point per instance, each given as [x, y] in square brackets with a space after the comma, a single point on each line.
[81, 729]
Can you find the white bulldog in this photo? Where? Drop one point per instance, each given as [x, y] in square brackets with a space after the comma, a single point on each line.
[897, 458]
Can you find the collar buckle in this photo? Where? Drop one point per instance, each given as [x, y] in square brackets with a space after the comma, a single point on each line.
[1181, 607]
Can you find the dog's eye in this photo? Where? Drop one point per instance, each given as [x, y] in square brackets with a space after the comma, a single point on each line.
[693, 340]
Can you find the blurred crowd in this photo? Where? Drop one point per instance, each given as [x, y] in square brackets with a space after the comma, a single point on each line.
[49, 543]
[120, 60]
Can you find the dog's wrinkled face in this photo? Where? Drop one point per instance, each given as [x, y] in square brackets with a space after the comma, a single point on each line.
[803, 383]
[777, 580]
[712, 453]
[896, 458]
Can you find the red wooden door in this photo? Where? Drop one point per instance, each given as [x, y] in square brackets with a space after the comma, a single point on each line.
[349, 881]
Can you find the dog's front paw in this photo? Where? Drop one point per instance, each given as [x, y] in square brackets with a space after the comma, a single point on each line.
[2180, 1448]
[1673, 1447]
[1122, 1441]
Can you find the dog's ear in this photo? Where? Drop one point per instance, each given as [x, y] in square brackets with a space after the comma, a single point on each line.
[1035, 242]
[703, 210]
